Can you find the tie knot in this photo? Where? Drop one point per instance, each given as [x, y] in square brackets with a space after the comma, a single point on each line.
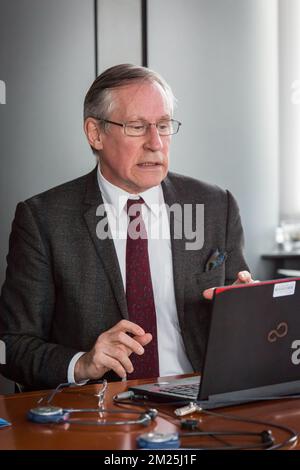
[134, 206]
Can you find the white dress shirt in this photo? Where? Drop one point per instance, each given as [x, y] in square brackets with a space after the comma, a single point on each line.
[172, 356]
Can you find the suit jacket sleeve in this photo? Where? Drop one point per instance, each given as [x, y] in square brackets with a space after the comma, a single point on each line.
[234, 242]
[26, 308]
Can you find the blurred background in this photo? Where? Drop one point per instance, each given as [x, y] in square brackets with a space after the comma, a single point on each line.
[234, 66]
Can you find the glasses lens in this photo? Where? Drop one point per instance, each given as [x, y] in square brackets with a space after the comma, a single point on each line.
[164, 127]
[135, 128]
[167, 127]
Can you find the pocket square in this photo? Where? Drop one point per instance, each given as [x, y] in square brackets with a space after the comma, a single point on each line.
[215, 260]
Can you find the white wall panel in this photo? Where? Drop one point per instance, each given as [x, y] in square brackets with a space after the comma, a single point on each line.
[220, 57]
[289, 92]
[119, 33]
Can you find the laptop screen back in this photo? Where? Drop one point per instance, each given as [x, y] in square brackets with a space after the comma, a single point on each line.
[253, 348]
[254, 338]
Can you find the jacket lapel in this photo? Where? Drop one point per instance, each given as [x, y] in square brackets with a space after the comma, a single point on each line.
[105, 247]
[177, 245]
[106, 250]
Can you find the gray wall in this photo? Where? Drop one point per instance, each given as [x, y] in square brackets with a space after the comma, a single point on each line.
[220, 57]
[47, 63]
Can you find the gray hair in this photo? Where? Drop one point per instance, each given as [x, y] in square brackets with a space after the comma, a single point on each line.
[99, 100]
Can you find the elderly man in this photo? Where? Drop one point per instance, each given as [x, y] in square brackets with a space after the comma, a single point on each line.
[101, 281]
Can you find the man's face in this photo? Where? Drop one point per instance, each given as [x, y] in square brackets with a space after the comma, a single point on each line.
[136, 163]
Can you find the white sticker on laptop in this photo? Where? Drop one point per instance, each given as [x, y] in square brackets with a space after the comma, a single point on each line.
[284, 288]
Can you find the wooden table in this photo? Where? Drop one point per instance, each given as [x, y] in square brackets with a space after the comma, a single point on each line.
[24, 434]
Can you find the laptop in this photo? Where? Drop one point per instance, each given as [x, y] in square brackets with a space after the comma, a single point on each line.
[252, 352]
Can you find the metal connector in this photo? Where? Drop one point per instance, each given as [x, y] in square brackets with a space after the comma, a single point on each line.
[188, 409]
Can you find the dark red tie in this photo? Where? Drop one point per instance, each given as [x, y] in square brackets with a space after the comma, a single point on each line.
[139, 292]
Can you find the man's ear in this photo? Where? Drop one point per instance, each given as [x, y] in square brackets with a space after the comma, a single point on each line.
[93, 133]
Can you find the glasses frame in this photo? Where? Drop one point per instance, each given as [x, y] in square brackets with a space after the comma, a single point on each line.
[147, 125]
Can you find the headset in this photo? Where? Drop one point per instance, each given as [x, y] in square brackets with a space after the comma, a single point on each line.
[48, 413]
[56, 414]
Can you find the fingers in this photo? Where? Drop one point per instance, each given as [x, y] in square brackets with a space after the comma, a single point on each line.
[132, 344]
[209, 293]
[129, 327]
[112, 350]
[116, 359]
[244, 277]
[143, 340]
[102, 358]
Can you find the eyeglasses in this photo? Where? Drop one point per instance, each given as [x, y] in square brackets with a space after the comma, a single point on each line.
[139, 128]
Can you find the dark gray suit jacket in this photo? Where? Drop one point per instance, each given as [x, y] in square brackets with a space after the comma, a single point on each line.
[63, 285]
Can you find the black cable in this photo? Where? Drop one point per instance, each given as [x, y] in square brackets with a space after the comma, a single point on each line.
[140, 400]
[289, 441]
[144, 405]
[120, 403]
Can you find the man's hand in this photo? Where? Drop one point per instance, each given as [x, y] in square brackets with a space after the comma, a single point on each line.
[243, 277]
[111, 352]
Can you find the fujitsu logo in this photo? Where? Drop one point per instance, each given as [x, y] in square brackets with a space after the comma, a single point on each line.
[279, 332]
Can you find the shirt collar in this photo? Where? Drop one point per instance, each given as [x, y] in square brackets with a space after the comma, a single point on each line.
[118, 197]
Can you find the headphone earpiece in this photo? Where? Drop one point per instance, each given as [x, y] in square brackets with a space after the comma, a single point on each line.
[267, 438]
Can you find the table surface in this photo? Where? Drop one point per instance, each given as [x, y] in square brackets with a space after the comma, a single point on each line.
[23, 434]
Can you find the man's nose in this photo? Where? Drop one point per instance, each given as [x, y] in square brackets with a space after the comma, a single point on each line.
[153, 139]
